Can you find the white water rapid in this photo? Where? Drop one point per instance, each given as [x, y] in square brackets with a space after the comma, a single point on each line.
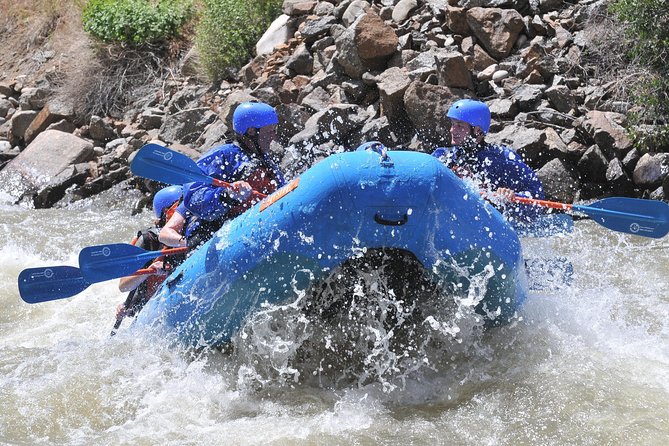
[585, 364]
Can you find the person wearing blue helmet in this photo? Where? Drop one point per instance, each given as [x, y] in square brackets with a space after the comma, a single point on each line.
[494, 168]
[245, 163]
[141, 288]
[163, 200]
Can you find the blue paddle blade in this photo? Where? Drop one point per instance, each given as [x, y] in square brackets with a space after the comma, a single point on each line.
[105, 262]
[647, 218]
[161, 164]
[50, 283]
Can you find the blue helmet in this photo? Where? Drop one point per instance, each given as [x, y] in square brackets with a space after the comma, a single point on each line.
[165, 198]
[474, 113]
[253, 115]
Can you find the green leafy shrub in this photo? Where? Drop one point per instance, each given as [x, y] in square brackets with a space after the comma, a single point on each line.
[228, 31]
[647, 23]
[135, 22]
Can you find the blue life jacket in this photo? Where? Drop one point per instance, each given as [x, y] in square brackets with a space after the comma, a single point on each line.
[492, 167]
[230, 163]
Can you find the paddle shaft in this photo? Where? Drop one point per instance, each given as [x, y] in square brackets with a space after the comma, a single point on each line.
[117, 324]
[139, 272]
[145, 272]
[220, 183]
[580, 208]
[105, 262]
[544, 203]
[119, 320]
[646, 218]
[169, 251]
[163, 252]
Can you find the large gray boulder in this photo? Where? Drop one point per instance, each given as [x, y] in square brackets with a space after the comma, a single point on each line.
[42, 163]
[392, 85]
[54, 111]
[609, 135]
[426, 106]
[618, 179]
[375, 40]
[34, 98]
[353, 11]
[278, 32]
[651, 170]
[528, 142]
[336, 124]
[101, 129]
[559, 180]
[593, 165]
[497, 29]
[298, 7]
[403, 9]
[186, 126]
[20, 122]
[366, 45]
[452, 70]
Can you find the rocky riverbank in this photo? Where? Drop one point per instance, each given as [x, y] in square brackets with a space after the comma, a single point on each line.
[344, 72]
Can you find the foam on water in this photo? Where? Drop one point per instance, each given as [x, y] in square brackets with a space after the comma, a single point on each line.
[586, 364]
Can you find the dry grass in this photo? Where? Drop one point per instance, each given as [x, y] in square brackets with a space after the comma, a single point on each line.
[97, 79]
[606, 57]
[115, 78]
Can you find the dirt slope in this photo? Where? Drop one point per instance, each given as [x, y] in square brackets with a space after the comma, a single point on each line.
[41, 37]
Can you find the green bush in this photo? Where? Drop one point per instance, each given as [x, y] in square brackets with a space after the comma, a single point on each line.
[647, 24]
[228, 31]
[135, 22]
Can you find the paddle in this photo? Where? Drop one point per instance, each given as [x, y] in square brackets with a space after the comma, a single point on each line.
[161, 164]
[47, 283]
[104, 262]
[647, 218]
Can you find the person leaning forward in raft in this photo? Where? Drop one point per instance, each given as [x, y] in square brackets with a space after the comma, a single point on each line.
[497, 169]
[245, 163]
[142, 287]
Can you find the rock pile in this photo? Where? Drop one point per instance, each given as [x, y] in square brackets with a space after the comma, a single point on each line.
[343, 72]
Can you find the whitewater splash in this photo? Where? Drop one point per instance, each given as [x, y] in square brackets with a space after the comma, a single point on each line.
[377, 319]
[573, 368]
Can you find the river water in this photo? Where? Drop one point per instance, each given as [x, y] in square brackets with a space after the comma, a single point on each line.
[585, 364]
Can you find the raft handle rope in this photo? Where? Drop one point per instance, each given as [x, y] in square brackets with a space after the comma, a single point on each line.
[378, 147]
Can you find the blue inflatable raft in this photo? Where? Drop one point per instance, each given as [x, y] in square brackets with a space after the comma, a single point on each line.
[348, 206]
